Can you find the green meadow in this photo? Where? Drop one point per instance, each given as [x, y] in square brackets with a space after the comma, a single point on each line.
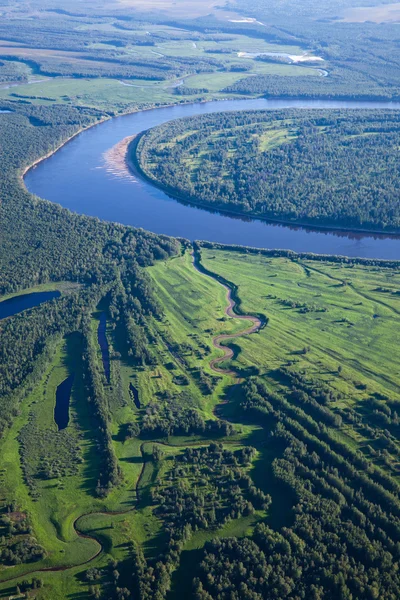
[335, 322]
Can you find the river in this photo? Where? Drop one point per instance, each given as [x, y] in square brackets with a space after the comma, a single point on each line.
[77, 178]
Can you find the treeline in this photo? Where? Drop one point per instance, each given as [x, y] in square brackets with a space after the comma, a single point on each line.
[291, 254]
[171, 418]
[28, 341]
[42, 242]
[104, 65]
[184, 90]
[362, 56]
[340, 84]
[21, 551]
[344, 537]
[110, 474]
[311, 167]
[17, 544]
[131, 301]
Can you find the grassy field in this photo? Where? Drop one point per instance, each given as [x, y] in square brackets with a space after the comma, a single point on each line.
[120, 95]
[345, 315]
[62, 499]
[65, 287]
[57, 503]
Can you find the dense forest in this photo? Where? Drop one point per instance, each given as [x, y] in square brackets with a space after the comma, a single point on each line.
[328, 550]
[338, 84]
[275, 476]
[317, 167]
[43, 242]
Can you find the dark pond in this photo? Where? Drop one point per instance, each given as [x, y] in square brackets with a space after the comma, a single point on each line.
[15, 305]
[76, 177]
[134, 395]
[61, 409]
[103, 343]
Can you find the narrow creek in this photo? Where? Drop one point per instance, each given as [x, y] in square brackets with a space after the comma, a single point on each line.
[257, 321]
[64, 391]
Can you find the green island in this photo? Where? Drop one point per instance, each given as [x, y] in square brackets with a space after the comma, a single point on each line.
[324, 168]
[188, 420]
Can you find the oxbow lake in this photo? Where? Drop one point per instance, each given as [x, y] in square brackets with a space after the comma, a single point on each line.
[76, 176]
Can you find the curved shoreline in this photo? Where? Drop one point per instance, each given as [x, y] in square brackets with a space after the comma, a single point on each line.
[24, 170]
[136, 169]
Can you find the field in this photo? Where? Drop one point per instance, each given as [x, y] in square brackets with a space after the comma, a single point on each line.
[232, 412]
[55, 506]
[142, 64]
[346, 315]
[334, 322]
[387, 13]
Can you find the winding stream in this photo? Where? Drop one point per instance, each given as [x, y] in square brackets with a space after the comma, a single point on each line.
[256, 324]
[77, 177]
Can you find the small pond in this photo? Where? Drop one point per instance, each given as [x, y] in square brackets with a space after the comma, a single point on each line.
[63, 396]
[133, 392]
[17, 304]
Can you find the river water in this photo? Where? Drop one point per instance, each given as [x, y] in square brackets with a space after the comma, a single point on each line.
[76, 177]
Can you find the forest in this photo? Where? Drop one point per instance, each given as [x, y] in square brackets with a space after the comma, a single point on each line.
[281, 485]
[201, 461]
[62, 247]
[327, 168]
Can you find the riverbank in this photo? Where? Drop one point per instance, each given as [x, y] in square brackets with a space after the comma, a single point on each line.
[41, 159]
[78, 180]
[138, 169]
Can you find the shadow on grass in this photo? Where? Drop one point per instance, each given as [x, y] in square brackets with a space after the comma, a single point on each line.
[132, 460]
[73, 364]
[182, 578]
[10, 591]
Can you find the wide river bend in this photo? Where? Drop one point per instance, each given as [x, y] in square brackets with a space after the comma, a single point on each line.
[77, 177]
